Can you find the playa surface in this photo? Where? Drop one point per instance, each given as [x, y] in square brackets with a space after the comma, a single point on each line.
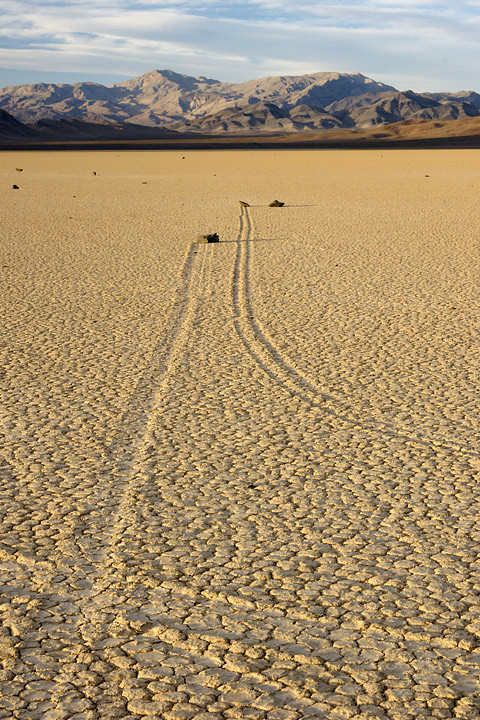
[240, 480]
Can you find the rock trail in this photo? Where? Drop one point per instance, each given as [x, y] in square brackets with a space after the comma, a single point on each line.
[226, 539]
[91, 578]
[282, 369]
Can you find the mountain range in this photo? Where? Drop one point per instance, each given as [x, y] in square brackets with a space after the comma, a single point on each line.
[162, 102]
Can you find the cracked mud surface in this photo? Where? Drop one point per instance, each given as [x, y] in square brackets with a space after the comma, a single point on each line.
[240, 480]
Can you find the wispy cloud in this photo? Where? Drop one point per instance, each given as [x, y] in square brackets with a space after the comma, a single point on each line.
[421, 44]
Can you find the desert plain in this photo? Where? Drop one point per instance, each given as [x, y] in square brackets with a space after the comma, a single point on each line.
[240, 480]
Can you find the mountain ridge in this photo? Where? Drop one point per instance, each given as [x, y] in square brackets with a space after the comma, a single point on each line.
[168, 101]
[161, 96]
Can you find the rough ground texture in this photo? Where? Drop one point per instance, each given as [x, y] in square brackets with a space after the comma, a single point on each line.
[240, 480]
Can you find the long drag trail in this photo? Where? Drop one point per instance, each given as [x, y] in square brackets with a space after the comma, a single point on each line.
[282, 369]
[195, 523]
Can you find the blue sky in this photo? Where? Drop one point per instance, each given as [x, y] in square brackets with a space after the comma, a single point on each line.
[411, 44]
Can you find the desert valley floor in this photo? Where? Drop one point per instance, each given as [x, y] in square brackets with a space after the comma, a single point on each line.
[240, 480]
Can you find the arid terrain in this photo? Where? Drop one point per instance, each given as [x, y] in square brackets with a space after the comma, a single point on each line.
[240, 480]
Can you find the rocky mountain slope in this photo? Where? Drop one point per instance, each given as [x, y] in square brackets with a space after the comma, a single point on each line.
[165, 100]
[73, 129]
[12, 129]
[429, 133]
[263, 117]
[463, 96]
[390, 107]
[162, 96]
[58, 130]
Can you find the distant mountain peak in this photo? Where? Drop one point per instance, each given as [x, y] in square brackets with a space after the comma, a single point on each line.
[158, 78]
[172, 75]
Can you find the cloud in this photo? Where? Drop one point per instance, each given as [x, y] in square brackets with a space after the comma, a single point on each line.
[414, 40]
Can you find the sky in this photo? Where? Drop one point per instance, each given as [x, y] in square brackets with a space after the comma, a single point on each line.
[419, 45]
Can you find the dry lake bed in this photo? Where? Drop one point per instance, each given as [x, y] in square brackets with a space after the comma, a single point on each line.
[240, 480]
